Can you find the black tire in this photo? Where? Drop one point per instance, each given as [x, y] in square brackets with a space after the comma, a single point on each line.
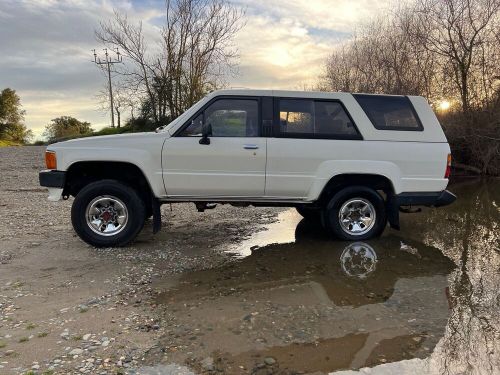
[363, 193]
[136, 213]
[312, 214]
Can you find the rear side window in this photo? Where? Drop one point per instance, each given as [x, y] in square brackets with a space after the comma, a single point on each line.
[390, 112]
[307, 118]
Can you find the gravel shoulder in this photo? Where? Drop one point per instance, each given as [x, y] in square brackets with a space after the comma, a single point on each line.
[66, 307]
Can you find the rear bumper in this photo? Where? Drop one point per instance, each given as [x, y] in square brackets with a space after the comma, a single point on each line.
[431, 199]
[52, 179]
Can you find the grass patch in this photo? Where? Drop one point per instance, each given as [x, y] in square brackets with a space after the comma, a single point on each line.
[31, 326]
[2, 345]
[77, 337]
[24, 339]
[42, 334]
[48, 372]
[5, 143]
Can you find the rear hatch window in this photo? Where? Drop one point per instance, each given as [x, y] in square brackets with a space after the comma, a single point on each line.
[389, 112]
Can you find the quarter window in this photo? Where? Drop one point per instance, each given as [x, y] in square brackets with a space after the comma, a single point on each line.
[389, 112]
[228, 118]
[315, 119]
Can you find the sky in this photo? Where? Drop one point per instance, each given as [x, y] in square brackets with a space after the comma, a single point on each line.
[46, 48]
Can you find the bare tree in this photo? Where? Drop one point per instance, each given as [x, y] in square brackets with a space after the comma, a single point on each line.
[460, 31]
[195, 52]
[382, 58]
[124, 99]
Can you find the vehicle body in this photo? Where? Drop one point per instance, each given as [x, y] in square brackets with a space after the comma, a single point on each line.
[350, 160]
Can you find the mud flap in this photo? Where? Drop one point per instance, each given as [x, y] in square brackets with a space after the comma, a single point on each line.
[393, 211]
[155, 205]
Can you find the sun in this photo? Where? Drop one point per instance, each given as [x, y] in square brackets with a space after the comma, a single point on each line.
[444, 105]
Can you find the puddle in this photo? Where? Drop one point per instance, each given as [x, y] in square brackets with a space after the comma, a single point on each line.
[423, 300]
[281, 231]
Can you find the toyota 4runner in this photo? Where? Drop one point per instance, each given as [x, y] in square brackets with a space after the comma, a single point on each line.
[350, 161]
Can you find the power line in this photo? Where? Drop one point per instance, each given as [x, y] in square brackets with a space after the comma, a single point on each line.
[107, 63]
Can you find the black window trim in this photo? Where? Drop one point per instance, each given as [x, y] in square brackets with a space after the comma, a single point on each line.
[210, 102]
[420, 127]
[279, 134]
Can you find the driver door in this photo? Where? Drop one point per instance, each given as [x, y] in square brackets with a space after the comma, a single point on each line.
[233, 163]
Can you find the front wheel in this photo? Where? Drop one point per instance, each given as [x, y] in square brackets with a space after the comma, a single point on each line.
[108, 213]
[356, 213]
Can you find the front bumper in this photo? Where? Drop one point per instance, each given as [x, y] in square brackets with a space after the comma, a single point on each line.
[432, 199]
[52, 179]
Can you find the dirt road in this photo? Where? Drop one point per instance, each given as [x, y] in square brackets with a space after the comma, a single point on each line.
[246, 291]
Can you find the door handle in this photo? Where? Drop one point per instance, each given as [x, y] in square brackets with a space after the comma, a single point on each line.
[250, 147]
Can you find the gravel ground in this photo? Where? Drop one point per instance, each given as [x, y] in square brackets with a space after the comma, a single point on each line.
[210, 295]
[66, 307]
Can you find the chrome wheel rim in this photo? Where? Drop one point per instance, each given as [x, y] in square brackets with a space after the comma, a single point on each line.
[357, 216]
[106, 215]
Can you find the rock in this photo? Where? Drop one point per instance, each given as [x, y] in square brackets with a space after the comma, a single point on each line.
[208, 364]
[65, 334]
[76, 351]
[247, 317]
[86, 337]
[105, 343]
[269, 361]
[35, 367]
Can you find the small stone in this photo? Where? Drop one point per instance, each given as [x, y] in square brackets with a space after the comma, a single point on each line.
[247, 317]
[35, 367]
[208, 364]
[105, 343]
[269, 361]
[76, 351]
[86, 337]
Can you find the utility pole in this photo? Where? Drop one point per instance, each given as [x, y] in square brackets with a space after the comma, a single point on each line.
[107, 63]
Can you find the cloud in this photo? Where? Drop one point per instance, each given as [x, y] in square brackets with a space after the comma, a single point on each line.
[46, 47]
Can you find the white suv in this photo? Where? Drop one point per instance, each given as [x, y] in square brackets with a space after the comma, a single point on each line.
[348, 160]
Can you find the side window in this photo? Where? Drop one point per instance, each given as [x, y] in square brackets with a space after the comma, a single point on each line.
[296, 116]
[228, 118]
[195, 128]
[332, 119]
[389, 112]
[315, 119]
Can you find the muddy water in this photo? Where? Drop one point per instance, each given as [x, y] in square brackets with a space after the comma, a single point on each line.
[423, 300]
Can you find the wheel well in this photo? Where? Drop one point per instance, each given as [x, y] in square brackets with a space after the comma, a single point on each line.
[81, 174]
[374, 181]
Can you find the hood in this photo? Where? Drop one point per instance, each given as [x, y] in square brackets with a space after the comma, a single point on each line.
[103, 141]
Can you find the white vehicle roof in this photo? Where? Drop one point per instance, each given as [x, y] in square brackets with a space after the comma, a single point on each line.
[432, 131]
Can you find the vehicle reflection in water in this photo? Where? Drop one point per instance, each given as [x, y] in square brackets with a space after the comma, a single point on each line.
[429, 293]
[358, 260]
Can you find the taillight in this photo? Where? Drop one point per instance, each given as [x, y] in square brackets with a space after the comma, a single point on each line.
[448, 167]
[50, 160]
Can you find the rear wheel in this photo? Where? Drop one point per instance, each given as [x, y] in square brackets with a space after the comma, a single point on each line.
[356, 213]
[108, 213]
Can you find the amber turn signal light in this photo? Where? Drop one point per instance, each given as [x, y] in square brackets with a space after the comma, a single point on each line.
[50, 160]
